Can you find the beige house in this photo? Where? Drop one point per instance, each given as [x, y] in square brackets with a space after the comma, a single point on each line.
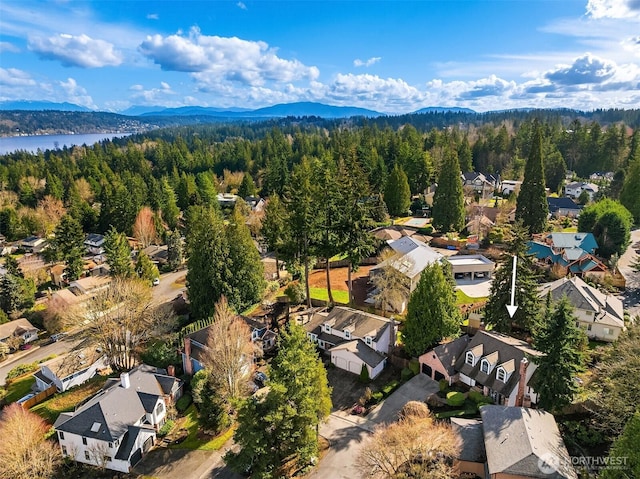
[600, 315]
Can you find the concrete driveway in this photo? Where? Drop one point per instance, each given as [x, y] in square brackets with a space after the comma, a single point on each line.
[478, 288]
[347, 434]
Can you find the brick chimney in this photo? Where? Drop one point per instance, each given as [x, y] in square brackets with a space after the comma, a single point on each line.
[522, 382]
[188, 367]
[171, 370]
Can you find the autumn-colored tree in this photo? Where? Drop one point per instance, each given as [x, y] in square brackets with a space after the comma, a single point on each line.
[25, 453]
[50, 210]
[391, 285]
[144, 228]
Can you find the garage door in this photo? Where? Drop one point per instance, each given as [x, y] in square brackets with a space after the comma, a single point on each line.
[135, 457]
[355, 367]
[439, 376]
[426, 369]
[340, 362]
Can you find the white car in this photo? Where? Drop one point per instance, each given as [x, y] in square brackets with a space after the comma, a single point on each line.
[156, 281]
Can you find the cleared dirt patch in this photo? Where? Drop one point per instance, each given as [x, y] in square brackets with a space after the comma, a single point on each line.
[339, 277]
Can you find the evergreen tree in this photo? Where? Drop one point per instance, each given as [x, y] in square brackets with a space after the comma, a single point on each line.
[464, 155]
[630, 194]
[624, 452]
[397, 195]
[246, 285]
[74, 264]
[274, 227]
[560, 342]
[282, 426]
[432, 313]
[247, 187]
[68, 244]
[532, 207]
[611, 225]
[10, 293]
[175, 249]
[207, 260]
[448, 201]
[170, 210]
[526, 288]
[146, 269]
[118, 253]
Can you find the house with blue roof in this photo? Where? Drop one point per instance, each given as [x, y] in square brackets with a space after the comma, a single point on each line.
[568, 253]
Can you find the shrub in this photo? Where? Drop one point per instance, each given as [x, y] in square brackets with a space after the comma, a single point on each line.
[444, 385]
[22, 369]
[166, 428]
[406, 374]
[183, 403]
[455, 399]
[477, 397]
[366, 397]
[295, 292]
[376, 397]
[273, 286]
[414, 365]
[389, 388]
[364, 374]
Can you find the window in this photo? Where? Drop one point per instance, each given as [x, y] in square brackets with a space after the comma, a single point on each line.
[347, 334]
[608, 331]
[469, 359]
[368, 340]
[110, 445]
[321, 344]
[589, 313]
[501, 375]
[64, 451]
[589, 328]
[86, 455]
[107, 458]
[159, 409]
[61, 435]
[484, 366]
[327, 328]
[84, 441]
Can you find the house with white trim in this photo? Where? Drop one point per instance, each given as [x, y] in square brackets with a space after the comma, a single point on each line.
[70, 370]
[575, 189]
[94, 243]
[21, 328]
[353, 338]
[118, 425]
[600, 315]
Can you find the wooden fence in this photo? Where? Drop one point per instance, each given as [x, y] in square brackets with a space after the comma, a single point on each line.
[38, 398]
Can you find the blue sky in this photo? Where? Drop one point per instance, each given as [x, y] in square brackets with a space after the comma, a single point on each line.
[392, 57]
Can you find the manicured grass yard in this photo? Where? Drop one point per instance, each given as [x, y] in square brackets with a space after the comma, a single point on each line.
[462, 298]
[196, 440]
[50, 409]
[321, 294]
[18, 388]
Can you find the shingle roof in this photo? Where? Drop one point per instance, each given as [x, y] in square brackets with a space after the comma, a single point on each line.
[359, 323]
[17, 326]
[586, 241]
[75, 361]
[519, 440]
[358, 347]
[129, 441]
[412, 257]
[449, 352]
[563, 202]
[472, 439]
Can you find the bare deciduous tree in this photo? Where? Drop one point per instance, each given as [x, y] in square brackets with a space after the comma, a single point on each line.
[120, 319]
[230, 351]
[415, 446]
[392, 286]
[25, 453]
[99, 453]
[144, 228]
[49, 212]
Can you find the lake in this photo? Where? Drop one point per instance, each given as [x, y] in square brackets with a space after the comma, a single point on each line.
[51, 142]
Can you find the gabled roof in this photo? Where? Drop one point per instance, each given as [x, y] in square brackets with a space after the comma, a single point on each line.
[358, 347]
[606, 309]
[129, 441]
[94, 239]
[563, 202]
[472, 440]
[73, 362]
[412, 257]
[17, 327]
[585, 241]
[359, 323]
[518, 440]
[449, 352]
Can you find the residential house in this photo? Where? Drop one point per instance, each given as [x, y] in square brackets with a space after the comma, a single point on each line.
[510, 186]
[494, 214]
[411, 257]
[523, 443]
[500, 367]
[568, 253]
[227, 200]
[472, 456]
[195, 344]
[91, 284]
[439, 362]
[575, 189]
[479, 183]
[354, 339]
[601, 176]
[33, 244]
[600, 315]
[563, 206]
[157, 254]
[22, 329]
[94, 243]
[473, 265]
[57, 273]
[256, 203]
[118, 425]
[70, 370]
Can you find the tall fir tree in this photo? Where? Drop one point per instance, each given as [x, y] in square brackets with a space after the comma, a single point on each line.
[432, 313]
[274, 227]
[630, 193]
[282, 425]
[68, 245]
[560, 341]
[175, 249]
[118, 253]
[247, 186]
[146, 269]
[448, 200]
[397, 194]
[208, 260]
[526, 287]
[532, 207]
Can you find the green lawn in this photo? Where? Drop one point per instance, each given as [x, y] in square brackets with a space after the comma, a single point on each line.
[50, 409]
[321, 294]
[462, 298]
[193, 441]
[18, 388]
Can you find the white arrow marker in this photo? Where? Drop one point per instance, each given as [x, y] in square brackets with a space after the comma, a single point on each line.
[512, 308]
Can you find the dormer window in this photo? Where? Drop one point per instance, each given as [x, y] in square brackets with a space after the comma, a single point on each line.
[470, 359]
[347, 334]
[368, 340]
[501, 375]
[327, 328]
[485, 366]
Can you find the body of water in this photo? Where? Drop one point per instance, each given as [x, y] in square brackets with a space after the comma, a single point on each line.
[52, 142]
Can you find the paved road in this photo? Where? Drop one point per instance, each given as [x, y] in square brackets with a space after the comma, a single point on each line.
[171, 284]
[631, 296]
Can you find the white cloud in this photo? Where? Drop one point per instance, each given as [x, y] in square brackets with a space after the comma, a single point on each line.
[213, 59]
[76, 51]
[77, 94]
[153, 16]
[241, 5]
[8, 47]
[585, 69]
[152, 96]
[366, 63]
[613, 8]
[11, 77]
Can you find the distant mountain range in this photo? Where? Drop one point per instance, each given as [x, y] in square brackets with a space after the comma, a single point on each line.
[298, 109]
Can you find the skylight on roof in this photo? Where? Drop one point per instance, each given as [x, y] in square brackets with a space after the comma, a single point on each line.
[95, 427]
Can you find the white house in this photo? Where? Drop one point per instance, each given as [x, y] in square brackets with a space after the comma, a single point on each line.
[94, 243]
[33, 244]
[575, 189]
[21, 328]
[600, 315]
[118, 425]
[70, 370]
[353, 338]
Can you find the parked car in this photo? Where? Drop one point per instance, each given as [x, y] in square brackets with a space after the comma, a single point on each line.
[24, 399]
[260, 378]
[57, 337]
[156, 281]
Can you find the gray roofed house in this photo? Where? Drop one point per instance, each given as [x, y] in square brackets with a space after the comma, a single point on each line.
[70, 369]
[439, 362]
[353, 338]
[120, 422]
[600, 315]
[500, 366]
[524, 443]
[21, 328]
[472, 456]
